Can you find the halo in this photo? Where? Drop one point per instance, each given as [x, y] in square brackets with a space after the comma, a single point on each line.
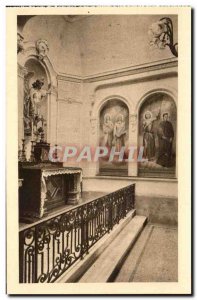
[107, 115]
[147, 112]
[120, 116]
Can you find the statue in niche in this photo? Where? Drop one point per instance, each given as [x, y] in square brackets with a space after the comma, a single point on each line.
[165, 136]
[108, 128]
[37, 94]
[33, 119]
[149, 136]
[28, 107]
[119, 132]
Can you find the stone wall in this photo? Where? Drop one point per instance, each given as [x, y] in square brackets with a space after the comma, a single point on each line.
[87, 65]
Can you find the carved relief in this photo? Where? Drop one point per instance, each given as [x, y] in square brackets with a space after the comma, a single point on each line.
[42, 48]
[52, 89]
[133, 122]
[93, 125]
[92, 101]
[20, 47]
[22, 71]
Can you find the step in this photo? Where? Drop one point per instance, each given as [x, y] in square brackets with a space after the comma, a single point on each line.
[106, 267]
[77, 270]
[130, 265]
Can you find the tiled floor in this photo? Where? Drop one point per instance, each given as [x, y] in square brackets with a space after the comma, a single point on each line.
[154, 258]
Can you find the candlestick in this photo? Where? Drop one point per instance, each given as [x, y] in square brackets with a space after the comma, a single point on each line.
[32, 157]
[23, 154]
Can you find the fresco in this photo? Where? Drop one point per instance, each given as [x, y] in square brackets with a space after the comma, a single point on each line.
[114, 132]
[157, 134]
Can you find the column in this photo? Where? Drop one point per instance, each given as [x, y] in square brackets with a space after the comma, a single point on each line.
[22, 71]
[133, 142]
[52, 111]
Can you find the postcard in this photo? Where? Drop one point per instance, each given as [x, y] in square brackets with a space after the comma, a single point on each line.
[99, 150]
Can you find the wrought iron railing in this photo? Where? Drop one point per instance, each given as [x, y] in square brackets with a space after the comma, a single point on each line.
[49, 248]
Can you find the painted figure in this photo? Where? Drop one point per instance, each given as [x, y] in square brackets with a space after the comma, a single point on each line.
[148, 137]
[165, 136]
[119, 132]
[108, 127]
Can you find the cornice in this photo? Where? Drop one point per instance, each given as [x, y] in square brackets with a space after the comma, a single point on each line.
[131, 70]
[71, 78]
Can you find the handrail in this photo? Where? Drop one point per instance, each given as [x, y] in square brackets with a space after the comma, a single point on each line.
[65, 210]
[48, 248]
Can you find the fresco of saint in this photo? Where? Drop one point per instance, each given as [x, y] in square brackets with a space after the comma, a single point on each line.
[119, 132]
[165, 136]
[148, 136]
[108, 127]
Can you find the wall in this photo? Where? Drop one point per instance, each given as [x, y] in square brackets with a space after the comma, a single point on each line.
[106, 57]
[69, 112]
[132, 86]
[154, 199]
[97, 43]
[112, 42]
[62, 40]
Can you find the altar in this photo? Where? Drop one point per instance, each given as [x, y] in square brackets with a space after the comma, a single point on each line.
[46, 187]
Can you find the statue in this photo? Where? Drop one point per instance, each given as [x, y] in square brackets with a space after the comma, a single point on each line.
[33, 119]
[37, 94]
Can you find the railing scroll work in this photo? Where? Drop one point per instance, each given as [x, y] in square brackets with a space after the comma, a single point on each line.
[49, 248]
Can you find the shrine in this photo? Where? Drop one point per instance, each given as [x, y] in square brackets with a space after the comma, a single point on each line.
[97, 145]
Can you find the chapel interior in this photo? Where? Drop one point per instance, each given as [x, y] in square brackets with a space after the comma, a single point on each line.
[89, 81]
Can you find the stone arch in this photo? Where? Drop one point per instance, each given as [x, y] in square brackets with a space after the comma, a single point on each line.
[171, 93]
[113, 132]
[157, 127]
[98, 105]
[31, 53]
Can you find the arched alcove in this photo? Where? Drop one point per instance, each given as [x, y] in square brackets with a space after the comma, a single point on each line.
[35, 106]
[113, 132]
[157, 136]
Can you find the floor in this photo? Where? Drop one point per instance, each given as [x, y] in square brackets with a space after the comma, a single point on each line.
[154, 257]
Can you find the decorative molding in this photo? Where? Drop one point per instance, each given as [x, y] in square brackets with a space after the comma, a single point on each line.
[52, 89]
[99, 104]
[71, 78]
[42, 48]
[22, 71]
[93, 122]
[30, 52]
[20, 45]
[131, 70]
[92, 101]
[133, 121]
[69, 100]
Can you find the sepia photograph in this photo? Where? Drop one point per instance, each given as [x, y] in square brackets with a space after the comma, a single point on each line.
[99, 118]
